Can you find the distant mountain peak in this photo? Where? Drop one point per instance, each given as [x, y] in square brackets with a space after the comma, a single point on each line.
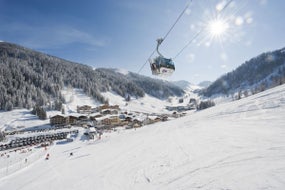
[204, 84]
[258, 74]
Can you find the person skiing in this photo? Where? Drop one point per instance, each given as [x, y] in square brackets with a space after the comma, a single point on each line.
[47, 156]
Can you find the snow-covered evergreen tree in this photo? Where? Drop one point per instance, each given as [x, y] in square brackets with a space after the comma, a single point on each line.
[28, 78]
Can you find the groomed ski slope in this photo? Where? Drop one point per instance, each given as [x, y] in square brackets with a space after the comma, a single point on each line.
[233, 146]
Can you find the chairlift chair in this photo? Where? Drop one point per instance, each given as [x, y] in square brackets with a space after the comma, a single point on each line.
[160, 65]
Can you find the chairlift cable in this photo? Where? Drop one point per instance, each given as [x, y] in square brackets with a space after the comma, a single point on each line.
[226, 5]
[146, 61]
[199, 32]
[194, 37]
[181, 14]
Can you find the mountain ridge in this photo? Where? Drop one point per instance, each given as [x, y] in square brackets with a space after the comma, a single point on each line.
[262, 72]
[29, 77]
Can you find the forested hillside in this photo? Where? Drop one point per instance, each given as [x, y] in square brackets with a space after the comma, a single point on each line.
[28, 78]
[258, 74]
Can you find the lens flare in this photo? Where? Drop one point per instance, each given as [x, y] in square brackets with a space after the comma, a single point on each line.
[217, 27]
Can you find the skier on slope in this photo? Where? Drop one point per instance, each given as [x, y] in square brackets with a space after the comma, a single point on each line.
[47, 156]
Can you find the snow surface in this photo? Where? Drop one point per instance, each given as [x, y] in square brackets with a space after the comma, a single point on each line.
[76, 97]
[149, 104]
[235, 145]
[123, 71]
[146, 104]
[19, 119]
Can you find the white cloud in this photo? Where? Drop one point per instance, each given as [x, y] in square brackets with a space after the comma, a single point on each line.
[69, 35]
[54, 36]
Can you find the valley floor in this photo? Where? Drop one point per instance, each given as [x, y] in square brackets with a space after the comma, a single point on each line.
[235, 146]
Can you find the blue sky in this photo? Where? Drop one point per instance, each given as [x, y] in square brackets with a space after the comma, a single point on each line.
[123, 33]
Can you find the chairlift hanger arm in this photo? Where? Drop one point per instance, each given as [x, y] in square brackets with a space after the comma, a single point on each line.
[159, 41]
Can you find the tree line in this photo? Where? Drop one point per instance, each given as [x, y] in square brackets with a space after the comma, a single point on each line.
[258, 74]
[29, 78]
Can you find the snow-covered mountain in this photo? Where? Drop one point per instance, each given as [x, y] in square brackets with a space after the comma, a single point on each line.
[28, 77]
[258, 74]
[185, 85]
[182, 84]
[205, 84]
[236, 145]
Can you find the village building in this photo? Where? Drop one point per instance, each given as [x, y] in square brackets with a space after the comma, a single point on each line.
[114, 107]
[180, 108]
[84, 121]
[72, 119]
[83, 118]
[94, 117]
[157, 119]
[149, 120]
[175, 115]
[2, 136]
[84, 109]
[94, 110]
[122, 116]
[113, 120]
[106, 112]
[129, 119]
[106, 106]
[59, 120]
[112, 110]
[164, 118]
[100, 108]
[193, 102]
[123, 122]
[137, 123]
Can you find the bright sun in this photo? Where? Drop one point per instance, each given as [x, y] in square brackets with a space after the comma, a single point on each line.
[217, 27]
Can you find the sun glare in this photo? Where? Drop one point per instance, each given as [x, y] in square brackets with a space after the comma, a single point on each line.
[217, 27]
